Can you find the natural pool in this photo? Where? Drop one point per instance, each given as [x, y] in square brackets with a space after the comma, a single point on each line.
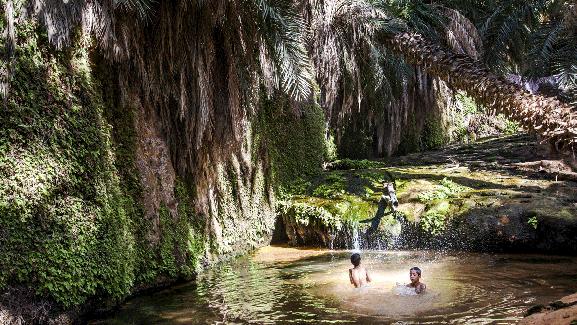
[291, 285]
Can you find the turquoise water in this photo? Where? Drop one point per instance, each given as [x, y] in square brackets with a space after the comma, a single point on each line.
[295, 286]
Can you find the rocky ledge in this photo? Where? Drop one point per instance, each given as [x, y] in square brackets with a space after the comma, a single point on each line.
[504, 194]
[560, 312]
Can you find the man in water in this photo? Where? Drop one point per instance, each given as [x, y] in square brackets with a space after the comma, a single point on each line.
[415, 276]
[358, 275]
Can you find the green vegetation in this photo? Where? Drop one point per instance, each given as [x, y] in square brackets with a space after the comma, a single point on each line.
[65, 227]
[532, 221]
[473, 122]
[511, 127]
[309, 215]
[348, 196]
[347, 163]
[72, 226]
[431, 135]
[356, 140]
[434, 220]
[438, 205]
[346, 207]
[332, 185]
[295, 142]
[445, 190]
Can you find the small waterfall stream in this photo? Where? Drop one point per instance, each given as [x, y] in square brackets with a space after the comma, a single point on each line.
[269, 286]
[356, 242]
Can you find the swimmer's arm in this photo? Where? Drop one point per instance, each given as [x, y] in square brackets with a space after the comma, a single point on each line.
[368, 276]
[351, 277]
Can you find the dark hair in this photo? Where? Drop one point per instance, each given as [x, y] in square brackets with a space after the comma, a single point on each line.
[356, 259]
[416, 269]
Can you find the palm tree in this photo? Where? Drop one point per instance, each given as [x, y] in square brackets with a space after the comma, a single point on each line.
[439, 37]
[449, 32]
[229, 47]
[553, 120]
[356, 77]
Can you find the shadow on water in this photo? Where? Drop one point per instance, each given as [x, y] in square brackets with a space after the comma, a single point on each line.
[285, 285]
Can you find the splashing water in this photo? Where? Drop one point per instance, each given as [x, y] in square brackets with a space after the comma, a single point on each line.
[356, 243]
[297, 285]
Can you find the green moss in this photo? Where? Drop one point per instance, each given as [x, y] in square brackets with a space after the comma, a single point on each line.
[71, 222]
[331, 185]
[181, 242]
[356, 164]
[427, 135]
[346, 207]
[306, 214]
[356, 140]
[295, 143]
[433, 135]
[446, 189]
[65, 230]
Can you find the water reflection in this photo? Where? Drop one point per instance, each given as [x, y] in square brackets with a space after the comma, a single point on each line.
[287, 285]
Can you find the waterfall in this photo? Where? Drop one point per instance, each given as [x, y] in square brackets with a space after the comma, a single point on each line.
[356, 243]
[331, 240]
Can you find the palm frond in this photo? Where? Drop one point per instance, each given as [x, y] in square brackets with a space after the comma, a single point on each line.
[461, 34]
[8, 38]
[281, 29]
[506, 33]
[142, 7]
[418, 16]
[544, 41]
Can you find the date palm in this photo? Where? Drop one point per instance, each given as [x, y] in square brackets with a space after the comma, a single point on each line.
[552, 119]
[204, 48]
[440, 38]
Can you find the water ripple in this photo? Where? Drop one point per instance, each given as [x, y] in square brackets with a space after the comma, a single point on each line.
[313, 287]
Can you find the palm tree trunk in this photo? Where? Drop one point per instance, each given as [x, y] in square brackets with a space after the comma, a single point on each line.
[553, 120]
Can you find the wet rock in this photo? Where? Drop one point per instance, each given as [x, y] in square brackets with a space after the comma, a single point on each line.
[561, 312]
[506, 207]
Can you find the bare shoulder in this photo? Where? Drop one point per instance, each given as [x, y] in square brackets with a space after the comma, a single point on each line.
[421, 288]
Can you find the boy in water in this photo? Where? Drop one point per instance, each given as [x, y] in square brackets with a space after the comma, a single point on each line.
[415, 276]
[358, 275]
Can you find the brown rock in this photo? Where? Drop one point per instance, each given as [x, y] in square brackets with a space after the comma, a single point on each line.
[561, 312]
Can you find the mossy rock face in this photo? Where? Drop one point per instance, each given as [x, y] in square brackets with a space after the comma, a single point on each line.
[443, 205]
[337, 209]
[313, 225]
[74, 230]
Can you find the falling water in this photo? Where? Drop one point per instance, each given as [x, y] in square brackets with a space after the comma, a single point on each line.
[332, 237]
[355, 238]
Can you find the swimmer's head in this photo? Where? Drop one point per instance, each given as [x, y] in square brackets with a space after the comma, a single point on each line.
[415, 274]
[356, 259]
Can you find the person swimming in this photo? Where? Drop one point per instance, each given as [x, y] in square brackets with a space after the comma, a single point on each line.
[358, 275]
[415, 277]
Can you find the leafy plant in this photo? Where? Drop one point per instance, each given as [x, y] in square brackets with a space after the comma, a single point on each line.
[433, 223]
[533, 222]
[346, 164]
[333, 186]
[445, 190]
